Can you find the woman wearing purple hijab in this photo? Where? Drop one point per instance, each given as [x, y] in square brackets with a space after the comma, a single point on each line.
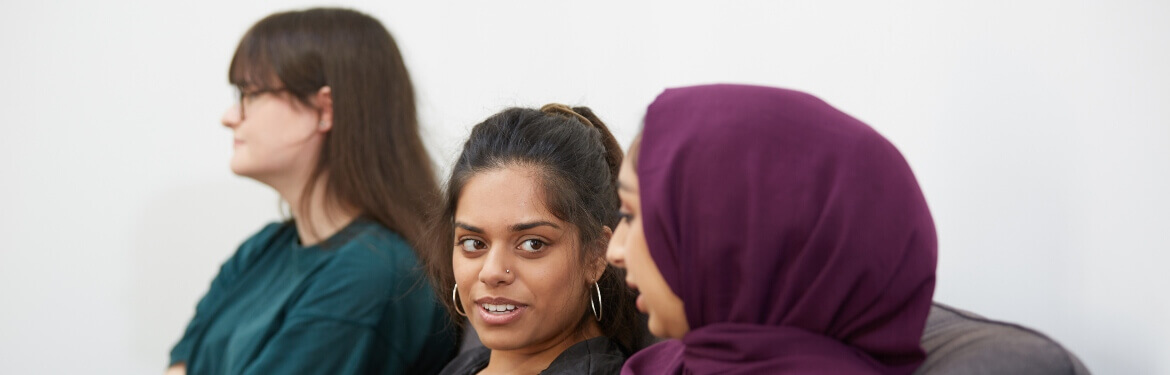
[769, 232]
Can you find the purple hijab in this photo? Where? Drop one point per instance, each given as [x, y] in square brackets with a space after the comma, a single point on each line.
[795, 235]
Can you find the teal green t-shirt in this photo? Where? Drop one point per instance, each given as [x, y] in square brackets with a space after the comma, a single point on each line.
[357, 303]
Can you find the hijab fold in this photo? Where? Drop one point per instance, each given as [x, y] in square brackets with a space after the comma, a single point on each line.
[796, 236]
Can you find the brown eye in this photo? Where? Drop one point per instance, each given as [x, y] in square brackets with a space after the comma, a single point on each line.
[532, 245]
[471, 245]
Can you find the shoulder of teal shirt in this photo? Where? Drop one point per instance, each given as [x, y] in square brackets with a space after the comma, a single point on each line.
[368, 308]
[361, 274]
[414, 323]
[245, 256]
[253, 248]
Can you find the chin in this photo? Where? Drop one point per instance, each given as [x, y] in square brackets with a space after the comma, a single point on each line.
[658, 330]
[243, 168]
[500, 340]
[239, 167]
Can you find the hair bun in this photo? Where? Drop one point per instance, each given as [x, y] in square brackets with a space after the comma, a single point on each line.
[564, 110]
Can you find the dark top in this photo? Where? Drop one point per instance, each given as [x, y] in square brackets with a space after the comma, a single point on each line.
[357, 303]
[598, 355]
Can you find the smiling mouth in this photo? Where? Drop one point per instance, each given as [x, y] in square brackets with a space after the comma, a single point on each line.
[497, 309]
[500, 314]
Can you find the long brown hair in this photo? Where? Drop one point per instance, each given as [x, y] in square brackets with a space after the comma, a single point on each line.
[373, 158]
[578, 160]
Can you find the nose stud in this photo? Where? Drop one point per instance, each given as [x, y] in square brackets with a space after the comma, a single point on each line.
[507, 271]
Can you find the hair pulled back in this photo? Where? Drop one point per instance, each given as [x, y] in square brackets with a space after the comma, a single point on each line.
[578, 160]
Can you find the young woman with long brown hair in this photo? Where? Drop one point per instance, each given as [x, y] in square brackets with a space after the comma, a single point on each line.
[326, 118]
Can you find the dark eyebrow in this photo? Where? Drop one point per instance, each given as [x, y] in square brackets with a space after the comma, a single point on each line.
[468, 227]
[534, 224]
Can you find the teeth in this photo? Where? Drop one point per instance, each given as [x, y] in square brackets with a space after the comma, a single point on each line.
[497, 308]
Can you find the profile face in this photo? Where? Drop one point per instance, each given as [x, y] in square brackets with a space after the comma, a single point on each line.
[274, 135]
[628, 249]
[516, 264]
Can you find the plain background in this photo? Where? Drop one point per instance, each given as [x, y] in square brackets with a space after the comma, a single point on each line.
[1038, 129]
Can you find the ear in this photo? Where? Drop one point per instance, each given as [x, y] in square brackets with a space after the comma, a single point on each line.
[599, 268]
[324, 101]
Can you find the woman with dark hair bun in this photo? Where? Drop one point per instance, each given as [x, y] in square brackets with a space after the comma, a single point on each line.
[326, 117]
[529, 209]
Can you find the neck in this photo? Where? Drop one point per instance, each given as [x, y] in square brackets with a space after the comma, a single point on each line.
[316, 216]
[534, 359]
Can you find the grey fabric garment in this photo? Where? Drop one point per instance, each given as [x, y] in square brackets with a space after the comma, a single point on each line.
[595, 356]
[470, 340]
[960, 342]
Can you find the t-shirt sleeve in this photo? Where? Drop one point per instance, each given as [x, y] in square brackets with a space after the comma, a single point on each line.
[223, 282]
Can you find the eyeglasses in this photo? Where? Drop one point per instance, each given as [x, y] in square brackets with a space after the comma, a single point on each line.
[247, 97]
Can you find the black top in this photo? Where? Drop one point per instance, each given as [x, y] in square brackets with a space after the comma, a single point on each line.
[595, 356]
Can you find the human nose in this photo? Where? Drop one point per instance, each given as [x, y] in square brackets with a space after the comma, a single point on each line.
[615, 253]
[496, 268]
[232, 117]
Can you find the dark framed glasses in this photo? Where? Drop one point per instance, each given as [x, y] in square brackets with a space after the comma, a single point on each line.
[248, 96]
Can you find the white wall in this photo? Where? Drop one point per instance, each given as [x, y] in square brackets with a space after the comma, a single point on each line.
[1039, 131]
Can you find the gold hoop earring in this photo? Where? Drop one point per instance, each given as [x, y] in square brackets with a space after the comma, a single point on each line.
[455, 299]
[596, 309]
